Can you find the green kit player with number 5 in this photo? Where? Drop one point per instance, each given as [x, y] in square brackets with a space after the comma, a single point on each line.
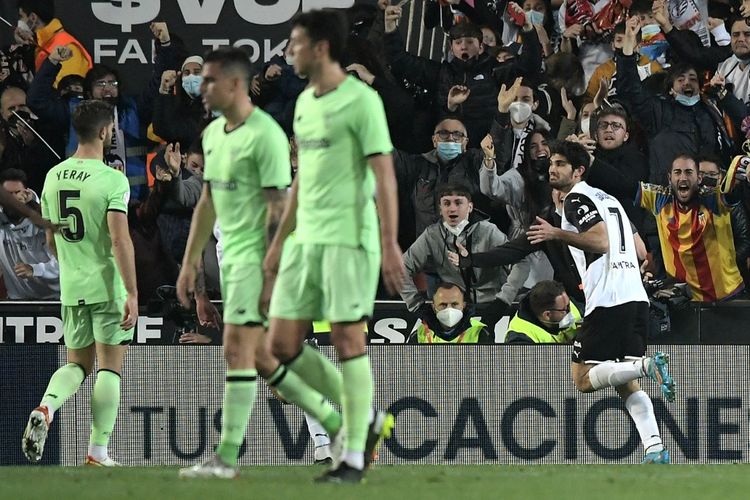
[97, 281]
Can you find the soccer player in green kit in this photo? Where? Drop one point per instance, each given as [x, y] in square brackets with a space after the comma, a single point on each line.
[247, 172]
[97, 280]
[331, 271]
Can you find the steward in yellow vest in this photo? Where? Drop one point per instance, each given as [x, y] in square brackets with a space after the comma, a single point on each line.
[545, 316]
[449, 320]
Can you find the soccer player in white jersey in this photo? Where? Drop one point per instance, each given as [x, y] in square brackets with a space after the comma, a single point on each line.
[610, 348]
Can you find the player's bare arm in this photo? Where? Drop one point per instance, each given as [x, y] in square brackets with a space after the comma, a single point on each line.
[201, 227]
[593, 240]
[122, 249]
[275, 207]
[285, 226]
[387, 203]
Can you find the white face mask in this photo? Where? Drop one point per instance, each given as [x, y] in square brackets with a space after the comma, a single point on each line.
[289, 60]
[585, 126]
[520, 112]
[23, 26]
[449, 317]
[456, 230]
[567, 321]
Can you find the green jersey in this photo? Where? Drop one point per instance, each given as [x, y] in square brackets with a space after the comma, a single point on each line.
[239, 164]
[335, 133]
[80, 193]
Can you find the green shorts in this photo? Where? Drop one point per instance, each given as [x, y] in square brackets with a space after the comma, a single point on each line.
[334, 282]
[84, 325]
[241, 285]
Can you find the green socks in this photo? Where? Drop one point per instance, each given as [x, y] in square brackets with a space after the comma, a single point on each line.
[357, 402]
[104, 404]
[63, 384]
[318, 372]
[239, 398]
[293, 389]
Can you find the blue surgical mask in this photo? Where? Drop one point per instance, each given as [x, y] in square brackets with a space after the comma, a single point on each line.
[535, 17]
[650, 30]
[191, 84]
[687, 101]
[447, 151]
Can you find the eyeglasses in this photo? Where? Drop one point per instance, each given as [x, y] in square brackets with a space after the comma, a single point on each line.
[602, 125]
[107, 83]
[444, 135]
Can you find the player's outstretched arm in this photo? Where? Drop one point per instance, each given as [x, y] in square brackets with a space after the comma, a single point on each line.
[122, 249]
[387, 203]
[201, 227]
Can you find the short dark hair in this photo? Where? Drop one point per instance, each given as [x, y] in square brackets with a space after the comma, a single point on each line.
[453, 189]
[466, 29]
[44, 9]
[543, 295]
[447, 285]
[615, 110]
[710, 158]
[685, 156]
[729, 22]
[97, 72]
[328, 25]
[14, 174]
[90, 117]
[231, 59]
[451, 117]
[574, 153]
[196, 148]
[680, 68]
[69, 80]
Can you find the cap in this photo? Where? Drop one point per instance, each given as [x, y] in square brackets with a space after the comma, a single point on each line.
[192, 59]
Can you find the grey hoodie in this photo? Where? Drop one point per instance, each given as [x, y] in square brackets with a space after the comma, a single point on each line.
[429, 253]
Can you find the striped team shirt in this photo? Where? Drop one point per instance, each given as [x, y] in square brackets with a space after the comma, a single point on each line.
[696, 243]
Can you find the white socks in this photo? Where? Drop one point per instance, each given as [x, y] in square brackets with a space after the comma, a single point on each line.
[641, 410]
[355, 459]
[611, 374]
[98, 453]
[317, 432]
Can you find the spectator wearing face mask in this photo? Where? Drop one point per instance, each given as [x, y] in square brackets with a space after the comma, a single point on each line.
[677, 123]
[492, 289]
[467, 84]
[127, 151]
[20, 148]
[37, 25]
[546, 315]
[449, 320]
[179, 114]
[420, 175]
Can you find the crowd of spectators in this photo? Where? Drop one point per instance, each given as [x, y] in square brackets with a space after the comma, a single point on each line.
[658, 93]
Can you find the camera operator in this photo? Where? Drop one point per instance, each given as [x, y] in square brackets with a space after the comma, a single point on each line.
[19, 147]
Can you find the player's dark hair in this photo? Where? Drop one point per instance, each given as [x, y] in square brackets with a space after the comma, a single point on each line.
[231, 59]
[574, 153]
[325, 25]
[453, 189]
[686, 156]
[44, 9]
[543, 295]
[14, 174]
[90, 117]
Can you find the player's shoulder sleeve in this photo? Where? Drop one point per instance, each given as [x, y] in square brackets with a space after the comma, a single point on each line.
[207, 143]
[370, 124]
[581, 211]
[118, 195]
[273, 162]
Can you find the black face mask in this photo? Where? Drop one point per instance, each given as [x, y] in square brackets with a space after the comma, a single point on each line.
[541, 168]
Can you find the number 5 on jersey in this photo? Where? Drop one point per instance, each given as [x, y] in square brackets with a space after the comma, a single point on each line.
[75, 231]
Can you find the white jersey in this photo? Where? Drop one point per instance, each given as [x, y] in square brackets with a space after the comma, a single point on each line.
[27, 243]
[608, 279]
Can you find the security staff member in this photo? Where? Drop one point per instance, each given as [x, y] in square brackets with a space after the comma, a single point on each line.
[545, 316]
